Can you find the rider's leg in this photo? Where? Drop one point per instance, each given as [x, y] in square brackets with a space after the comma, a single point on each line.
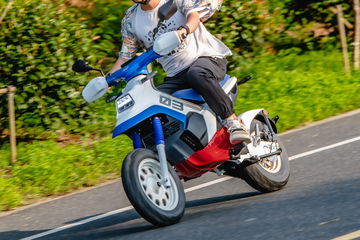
[236, 129]
[175, 83]
[204, 75]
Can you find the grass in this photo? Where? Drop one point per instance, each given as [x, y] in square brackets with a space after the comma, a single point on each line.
[44, 168]
[299, 89]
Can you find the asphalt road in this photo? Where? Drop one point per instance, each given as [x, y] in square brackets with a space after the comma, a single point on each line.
[321, 200]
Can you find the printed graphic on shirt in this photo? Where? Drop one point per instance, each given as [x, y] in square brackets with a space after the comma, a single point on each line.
[206, 8]
[138, 30]
[164, 27]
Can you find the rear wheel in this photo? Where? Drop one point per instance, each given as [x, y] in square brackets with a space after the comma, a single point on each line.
[141, 175]
[272, 173]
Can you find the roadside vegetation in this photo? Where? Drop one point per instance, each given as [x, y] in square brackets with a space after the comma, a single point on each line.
[299, 88]
[64, 143]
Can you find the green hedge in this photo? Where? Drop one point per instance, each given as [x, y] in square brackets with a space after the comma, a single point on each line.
[313, 24]
[299, 88]
[39, 42]
[41, 39]
[252, 28]
[38, 45]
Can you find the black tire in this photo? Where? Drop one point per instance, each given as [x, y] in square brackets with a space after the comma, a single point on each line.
[136, 183]
[265, 180]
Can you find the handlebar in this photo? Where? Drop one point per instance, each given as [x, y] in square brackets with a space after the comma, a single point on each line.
[137, 66]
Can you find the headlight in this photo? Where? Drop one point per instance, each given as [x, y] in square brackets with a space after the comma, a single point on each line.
[124, 103]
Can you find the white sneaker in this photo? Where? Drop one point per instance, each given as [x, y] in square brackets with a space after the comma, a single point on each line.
[237, 131]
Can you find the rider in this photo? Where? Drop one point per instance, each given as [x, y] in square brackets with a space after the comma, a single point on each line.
[200, 60]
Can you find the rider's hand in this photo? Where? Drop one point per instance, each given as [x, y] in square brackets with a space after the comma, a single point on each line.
[182, 34]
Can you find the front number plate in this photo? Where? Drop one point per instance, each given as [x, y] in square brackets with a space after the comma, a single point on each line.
[124, 103]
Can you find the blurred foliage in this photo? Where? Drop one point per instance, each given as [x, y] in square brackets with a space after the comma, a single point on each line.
[41, 39]
[246, 27]
[313, 24]
[39, 42]
[262, 27]
[300, 88]
[47, 168]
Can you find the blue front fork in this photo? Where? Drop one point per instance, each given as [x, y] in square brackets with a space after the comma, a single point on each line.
[136, 140]
[160, 146]
[158, 131]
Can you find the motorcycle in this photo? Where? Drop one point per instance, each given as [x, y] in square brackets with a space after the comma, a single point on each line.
[179, 137]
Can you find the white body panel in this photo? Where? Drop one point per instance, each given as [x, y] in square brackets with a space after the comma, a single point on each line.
[211, 121]
[229, 84]
[145, 95]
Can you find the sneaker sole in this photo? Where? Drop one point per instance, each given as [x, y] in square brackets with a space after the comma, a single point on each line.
[238, 139]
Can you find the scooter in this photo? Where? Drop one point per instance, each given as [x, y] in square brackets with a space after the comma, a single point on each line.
[179, 137]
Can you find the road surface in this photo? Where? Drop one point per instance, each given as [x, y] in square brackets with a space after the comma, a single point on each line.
[321, 200]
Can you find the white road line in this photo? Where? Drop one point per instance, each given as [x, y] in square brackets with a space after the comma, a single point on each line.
[349, 236]
[324, 148]
[55, 230]
[186, 190]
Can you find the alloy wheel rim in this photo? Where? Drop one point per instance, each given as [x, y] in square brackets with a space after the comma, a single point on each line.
[271, 164]
[149, 174]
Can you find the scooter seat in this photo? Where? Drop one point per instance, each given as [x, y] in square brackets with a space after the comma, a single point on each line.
[192, 95]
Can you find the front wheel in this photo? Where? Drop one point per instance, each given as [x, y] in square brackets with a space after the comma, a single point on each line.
[141, 175]
[269, 174]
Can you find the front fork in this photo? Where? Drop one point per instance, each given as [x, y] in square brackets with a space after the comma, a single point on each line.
[160, 146]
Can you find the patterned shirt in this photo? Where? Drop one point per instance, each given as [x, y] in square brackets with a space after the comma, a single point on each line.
[138, 26]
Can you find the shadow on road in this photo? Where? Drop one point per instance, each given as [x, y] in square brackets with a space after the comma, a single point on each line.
[15, 234]
[130, 222]
[122, 224]
[81, 219]
[212, 200]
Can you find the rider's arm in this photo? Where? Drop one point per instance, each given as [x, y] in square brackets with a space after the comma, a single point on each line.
[120, 61]
[205, 8]
[192, 22]
[129, 41]
[196, 12]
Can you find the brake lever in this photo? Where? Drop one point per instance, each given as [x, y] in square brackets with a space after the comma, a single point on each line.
[149, 76]
[113, 97]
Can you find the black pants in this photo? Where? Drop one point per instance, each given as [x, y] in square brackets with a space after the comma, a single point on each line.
[203, 76]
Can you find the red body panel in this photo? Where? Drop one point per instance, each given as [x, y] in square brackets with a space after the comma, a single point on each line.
[215, 153]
